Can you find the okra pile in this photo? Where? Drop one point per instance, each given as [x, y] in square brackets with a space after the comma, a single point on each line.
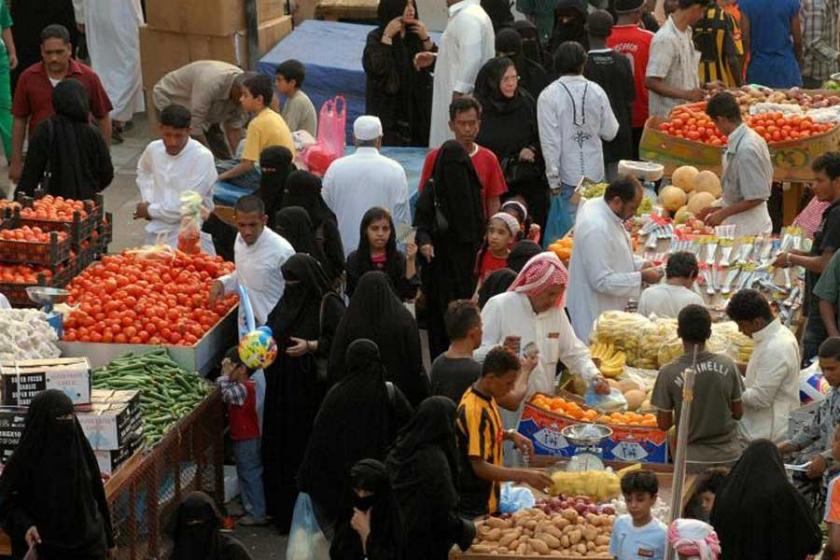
[168, 393]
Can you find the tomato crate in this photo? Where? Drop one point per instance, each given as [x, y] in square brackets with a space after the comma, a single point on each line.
[105, 232]
[50, 253]
[80, 228]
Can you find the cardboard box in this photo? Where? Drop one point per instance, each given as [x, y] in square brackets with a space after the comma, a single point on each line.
[200, 17]
[110, 425]
[268, 10]
[273, 31]
[163, 51]
[12, 422]
[20, 381]
[110, 461]
[627, 443]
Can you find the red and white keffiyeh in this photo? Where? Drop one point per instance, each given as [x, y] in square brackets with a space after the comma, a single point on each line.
[542, 272]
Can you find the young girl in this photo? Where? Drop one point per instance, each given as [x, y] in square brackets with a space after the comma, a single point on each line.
[502, 230]
[378, 251]
[527, 229]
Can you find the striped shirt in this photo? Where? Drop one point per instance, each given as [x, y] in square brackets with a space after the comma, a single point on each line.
[480, 432]
[820, 42]
[715, 38]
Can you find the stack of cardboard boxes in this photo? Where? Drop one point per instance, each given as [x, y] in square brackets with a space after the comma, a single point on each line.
[178, 32]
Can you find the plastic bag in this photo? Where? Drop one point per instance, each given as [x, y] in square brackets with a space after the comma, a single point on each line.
[332, 123]
[559, 221]
[189, 234]
[513, 498]
[306, 540]
[611, 402]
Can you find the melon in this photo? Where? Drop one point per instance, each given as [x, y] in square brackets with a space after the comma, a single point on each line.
[672, 198]
[700, 202]
[634, 398]
[683, 215]
[628, 385]
[707, 181]
[683, 177]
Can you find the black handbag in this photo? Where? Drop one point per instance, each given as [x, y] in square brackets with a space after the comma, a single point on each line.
[440, 224]
[516, 171]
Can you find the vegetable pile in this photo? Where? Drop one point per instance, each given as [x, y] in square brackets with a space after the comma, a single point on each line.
[558, 405]
[56, 209]
[23, 274]
[137, 298]
[749, 96]
[26, 335]
[33, 235]
[167, 392]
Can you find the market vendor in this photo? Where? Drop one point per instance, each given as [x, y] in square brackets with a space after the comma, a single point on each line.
[747, 171]
[826, 187]
[530, 318]
[168, 168]
[604, 272]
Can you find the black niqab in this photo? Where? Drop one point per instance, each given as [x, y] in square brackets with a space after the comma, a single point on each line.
[304, 189]
[759, 514]
[196, 535]
[275, 167]
[297, 313]
[497, 283]
[573, 30]
[532, 76]
[294, 225]
[458, 191]
[52, 481]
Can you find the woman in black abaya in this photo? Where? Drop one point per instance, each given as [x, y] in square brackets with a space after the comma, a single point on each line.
[51, 490]
[759, 515]
[196, 534]
[294, 225]
[423, 465]
[497, 283]
[396, 92]
[359, 419]
[275, 167]
[303, 324]
[377, 314]
[448, 250]
[304, 189]
[532, 76]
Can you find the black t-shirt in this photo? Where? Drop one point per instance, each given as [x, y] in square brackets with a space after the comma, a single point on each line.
[613, 73]
[451, 377]
[827, 238]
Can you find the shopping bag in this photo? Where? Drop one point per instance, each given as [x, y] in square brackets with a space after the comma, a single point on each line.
[332, 122]
[306, 540]
[559, 221]
[189, 233]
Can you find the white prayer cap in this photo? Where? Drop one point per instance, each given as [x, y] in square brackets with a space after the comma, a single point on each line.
[367, 128]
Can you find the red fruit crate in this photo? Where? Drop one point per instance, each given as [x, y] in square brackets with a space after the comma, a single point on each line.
[51, 253]
[80, 227]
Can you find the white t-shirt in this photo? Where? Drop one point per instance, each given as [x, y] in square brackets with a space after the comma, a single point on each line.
[629, 542]
[666, 300]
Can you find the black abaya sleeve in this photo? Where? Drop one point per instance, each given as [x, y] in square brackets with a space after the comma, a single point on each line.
[353, 274]
[378, 62]
[104, 167]
[424, 215]
[16, 522]
[333, 248]
[402, 412]
[333, 311]
[336, 367]
[417, 383]
[37, 159]
[445, 525]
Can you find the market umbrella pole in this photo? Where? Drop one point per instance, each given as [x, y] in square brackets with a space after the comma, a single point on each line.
[682, 445]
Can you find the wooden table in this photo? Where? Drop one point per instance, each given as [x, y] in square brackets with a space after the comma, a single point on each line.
[334, 10]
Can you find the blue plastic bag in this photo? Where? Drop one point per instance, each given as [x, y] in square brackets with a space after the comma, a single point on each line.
[559, 221]
[513, 498]
[306, 540]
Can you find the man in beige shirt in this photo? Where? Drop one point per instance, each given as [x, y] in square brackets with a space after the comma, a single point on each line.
[210, 90]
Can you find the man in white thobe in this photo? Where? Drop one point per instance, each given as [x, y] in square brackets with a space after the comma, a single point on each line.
[604, 272]
[356, 183]
[772, 380]
[112, 29]
[466, 44]
[169, 168]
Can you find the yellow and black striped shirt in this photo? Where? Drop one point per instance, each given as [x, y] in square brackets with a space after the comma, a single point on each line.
[717, 37]
[480, 433]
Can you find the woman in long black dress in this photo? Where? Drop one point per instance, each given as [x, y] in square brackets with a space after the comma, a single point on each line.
[197, 535]
[51, 490]
[509, 130]
[448, 246]
[359, 419]
[396, 92]
[275, 167]
[377, 314]
[303, 324]
[424, 476]
[304, 189]
[294, 225]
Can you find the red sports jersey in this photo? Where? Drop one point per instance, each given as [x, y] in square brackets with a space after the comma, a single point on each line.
[634, 42]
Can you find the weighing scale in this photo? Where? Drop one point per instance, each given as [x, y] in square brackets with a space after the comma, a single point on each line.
[47, 298]
[587, 438]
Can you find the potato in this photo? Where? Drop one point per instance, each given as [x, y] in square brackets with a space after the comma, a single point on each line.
[580, 547]
[492, 535]
[593, 519]
[602, 540]
[561, 522]
[480, 548]
[539, 546]
[552, 530]
[556, 553]
[549, 539]
[569, 528]
[508, 538]
[590, 545]
[564, 541]
[496, 523]
[531, 524]
[589, 533]
[522, 548]
[602, 548]
[575, 536]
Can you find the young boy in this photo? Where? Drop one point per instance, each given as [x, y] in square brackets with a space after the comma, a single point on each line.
[239, 393]
[455, 370]
[832, 506]
[267, 128]
[667, 299]
[637, 535]
[480, 436]
[298, 112]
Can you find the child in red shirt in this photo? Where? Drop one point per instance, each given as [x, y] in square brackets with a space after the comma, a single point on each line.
[239, 393]
[502, 231]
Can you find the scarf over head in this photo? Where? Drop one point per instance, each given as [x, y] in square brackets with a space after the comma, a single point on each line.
[541, 273]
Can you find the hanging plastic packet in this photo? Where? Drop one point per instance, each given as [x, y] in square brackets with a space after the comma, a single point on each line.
[189, 234]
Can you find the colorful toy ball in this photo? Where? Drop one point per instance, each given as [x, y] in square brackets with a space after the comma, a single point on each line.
[257, 349]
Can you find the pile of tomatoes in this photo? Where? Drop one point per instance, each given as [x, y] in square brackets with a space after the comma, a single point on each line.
[135, 299]
[30, 235]
[23, 274]
[54, 208]
[692, 123]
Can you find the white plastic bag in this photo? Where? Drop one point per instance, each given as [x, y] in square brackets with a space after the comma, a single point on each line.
[306, 540]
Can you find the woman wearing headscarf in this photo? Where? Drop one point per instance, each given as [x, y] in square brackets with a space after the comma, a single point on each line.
[396, 92]
[52, 495]
[377, 314]
[521, 253]
[378, 251]
[370, 529]
[509, 130]
[424, 475]
[275, 167]
[533, 43]
[497, 283]
[304, 189]
[303, 324]
[294, 225]
[197, 532]
[450, 229]
[569, 24]
[67, 155]
[359, 419]
[532, 75]
[758, 514]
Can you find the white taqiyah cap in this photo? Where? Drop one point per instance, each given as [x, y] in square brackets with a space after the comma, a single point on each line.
[367, 127]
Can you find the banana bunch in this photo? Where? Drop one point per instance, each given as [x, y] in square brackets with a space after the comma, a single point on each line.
[610, 361]
[621, 330]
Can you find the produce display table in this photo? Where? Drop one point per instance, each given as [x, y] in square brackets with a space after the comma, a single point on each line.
[334, 10]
